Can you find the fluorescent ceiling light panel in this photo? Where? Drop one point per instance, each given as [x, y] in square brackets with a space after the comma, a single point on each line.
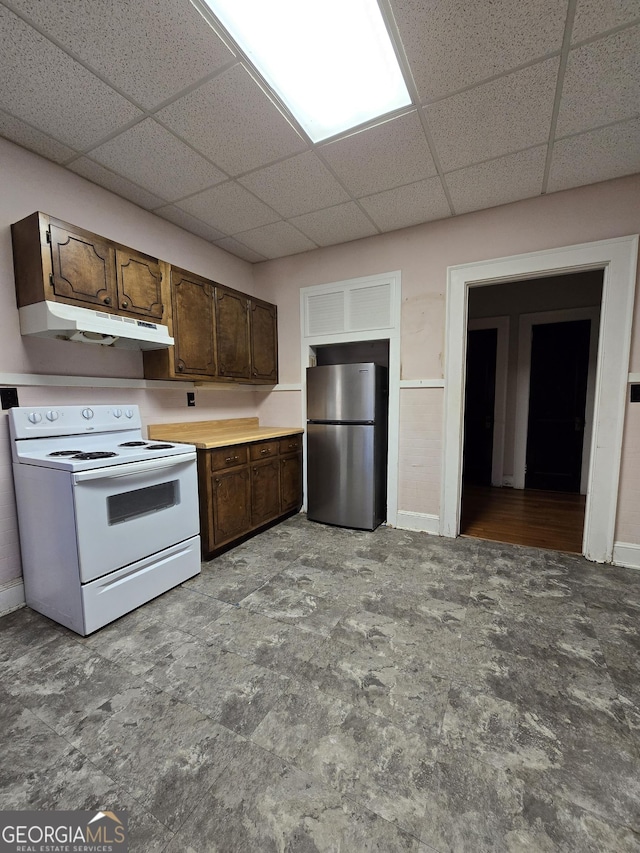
[330, 61]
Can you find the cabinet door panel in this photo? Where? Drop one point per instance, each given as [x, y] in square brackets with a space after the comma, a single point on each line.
[291, 482]
[232, 331]
[139, 284]
[193, 324]
[264, 341]
[231, 504]
[265, 492]
[83, 268]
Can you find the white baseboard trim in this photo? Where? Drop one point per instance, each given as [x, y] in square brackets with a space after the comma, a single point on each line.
[627, 555]
[11, 596]
[421, 521]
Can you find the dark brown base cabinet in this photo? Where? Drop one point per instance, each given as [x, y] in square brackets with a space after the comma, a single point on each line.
[246, 487]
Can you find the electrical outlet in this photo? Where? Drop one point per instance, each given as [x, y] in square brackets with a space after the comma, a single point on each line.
[634, 396]
[9, 397]
[191, 398]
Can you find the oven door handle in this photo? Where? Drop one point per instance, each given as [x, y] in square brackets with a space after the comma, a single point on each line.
[128, 469]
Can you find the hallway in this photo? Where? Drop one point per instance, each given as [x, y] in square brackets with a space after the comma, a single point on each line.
[539, 519]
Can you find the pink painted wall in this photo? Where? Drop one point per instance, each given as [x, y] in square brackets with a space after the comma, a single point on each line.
[30, 183]
[422, 254]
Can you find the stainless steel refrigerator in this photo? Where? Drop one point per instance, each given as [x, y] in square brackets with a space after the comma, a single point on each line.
[347, 444]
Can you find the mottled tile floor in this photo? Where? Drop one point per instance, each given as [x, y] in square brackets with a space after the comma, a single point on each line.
[319, 689]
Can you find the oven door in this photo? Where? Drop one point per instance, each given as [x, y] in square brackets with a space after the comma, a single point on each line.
[127, 512]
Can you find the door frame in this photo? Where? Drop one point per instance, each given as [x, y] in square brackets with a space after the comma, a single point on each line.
[618, 259]
[388, 330]
[527, 322]
[501, 324]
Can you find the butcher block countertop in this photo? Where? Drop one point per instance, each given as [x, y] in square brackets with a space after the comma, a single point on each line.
[209, 434]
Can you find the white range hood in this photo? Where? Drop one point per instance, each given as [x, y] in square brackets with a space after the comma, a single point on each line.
[68, 322]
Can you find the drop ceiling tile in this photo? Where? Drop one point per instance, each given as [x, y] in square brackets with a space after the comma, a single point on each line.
[116, 183]
[189, 223]
[151, 156]
[45, 87]
[276, 240]
[451, 44]
[231, 245]
[150, 49]
[597, 16]
[338, 224]
[601, 84]
[410, 205]
[296, 185]
[232, 121]
[500, 181]
[388, 155]
[596, 156]
[28, 137]
[230, 208]
[496, 118]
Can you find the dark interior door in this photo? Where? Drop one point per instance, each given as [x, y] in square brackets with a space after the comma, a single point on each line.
[480, 395]
[557, 400]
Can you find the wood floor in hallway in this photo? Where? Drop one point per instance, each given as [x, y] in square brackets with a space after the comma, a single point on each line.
[524, 517]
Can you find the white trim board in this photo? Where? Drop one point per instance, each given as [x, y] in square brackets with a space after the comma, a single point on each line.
[527, 322]
[627, 555]
[389, 332]
[501, 324]
[618, 259]
[46, 380]
[11, 596]
[421, 383]
[421, 521]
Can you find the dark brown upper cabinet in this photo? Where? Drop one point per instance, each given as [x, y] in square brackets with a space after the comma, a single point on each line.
[232, 332]
[60, 262]
[263, 324]
[139, 284]
[193, 324]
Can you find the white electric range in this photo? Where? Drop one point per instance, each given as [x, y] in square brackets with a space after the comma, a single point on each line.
[108, 520]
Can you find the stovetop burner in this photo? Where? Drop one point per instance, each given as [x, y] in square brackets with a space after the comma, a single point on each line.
[159, 447]
[65, 452]
[133, 444]
[95, 454]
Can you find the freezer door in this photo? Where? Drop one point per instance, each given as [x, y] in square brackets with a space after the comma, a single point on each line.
[341, 392]
[341, 484]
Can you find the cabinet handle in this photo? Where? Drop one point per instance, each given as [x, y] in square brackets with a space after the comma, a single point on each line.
[218, 480]
[232, 459]
[180, 366]
[265, 450]
[125, 304]
[107, 300]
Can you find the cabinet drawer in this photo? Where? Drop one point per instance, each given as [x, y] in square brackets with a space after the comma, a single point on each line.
[263, 450]
[291, 444]
[228, 457]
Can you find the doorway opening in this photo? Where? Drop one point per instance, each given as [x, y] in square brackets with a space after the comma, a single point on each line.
[618, 258]
[528, 409]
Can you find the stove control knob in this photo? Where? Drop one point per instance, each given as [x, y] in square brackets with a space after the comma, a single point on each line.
[35, 417]
[52, 415]
[87, 414]
[117, 413]
[129, 413]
